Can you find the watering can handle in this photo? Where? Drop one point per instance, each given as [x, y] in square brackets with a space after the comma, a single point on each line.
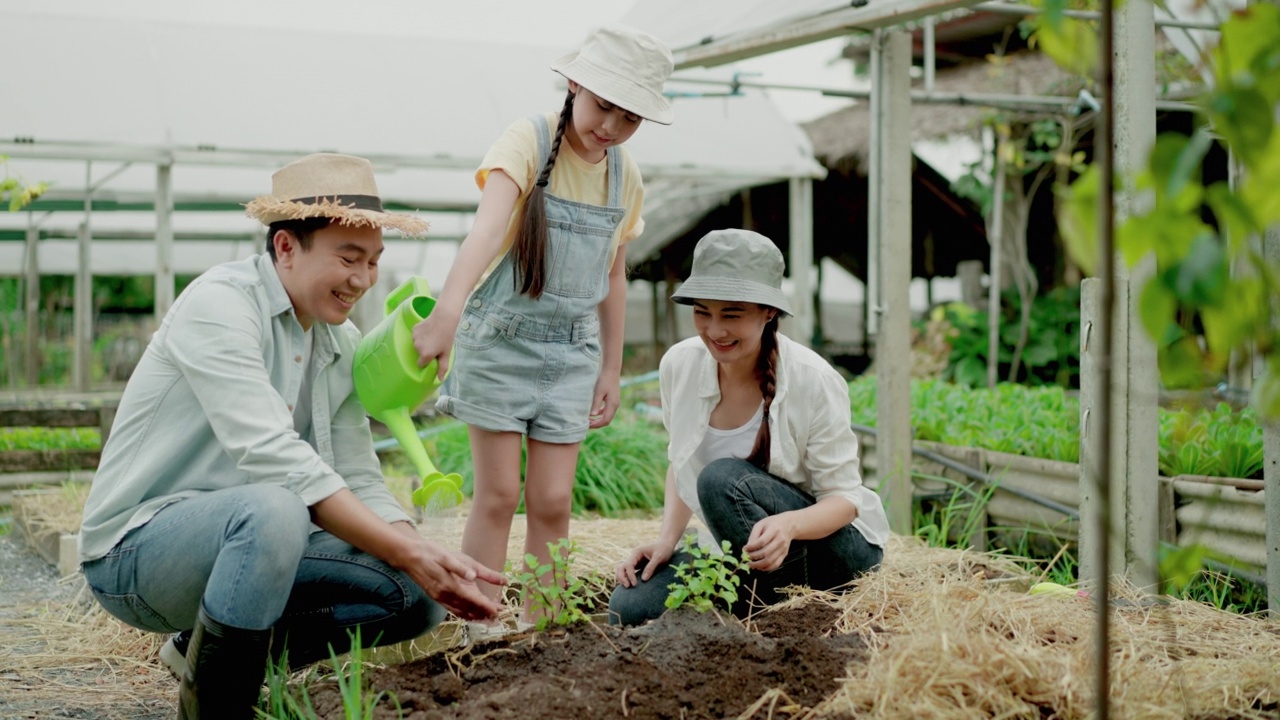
[415, 285]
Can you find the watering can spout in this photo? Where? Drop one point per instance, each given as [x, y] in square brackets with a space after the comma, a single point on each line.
[391, 385]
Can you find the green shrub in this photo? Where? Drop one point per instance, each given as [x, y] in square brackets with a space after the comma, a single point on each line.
[707, 581]
[621, 467]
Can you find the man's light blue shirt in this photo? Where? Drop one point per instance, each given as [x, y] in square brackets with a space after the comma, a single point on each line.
[210, 406]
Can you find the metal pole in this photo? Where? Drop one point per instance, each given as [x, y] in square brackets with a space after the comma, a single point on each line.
[1048, 103]
[930, 53]
[32, 350]
[871, 292]
[83, 314]
[1015, 9]
[164, 241]
[1106, 255]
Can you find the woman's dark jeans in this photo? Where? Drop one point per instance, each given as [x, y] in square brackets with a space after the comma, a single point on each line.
[247, 554]
[735, 495]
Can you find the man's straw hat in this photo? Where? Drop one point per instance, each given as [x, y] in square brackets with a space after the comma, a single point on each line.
[333, 186]
[624, 66]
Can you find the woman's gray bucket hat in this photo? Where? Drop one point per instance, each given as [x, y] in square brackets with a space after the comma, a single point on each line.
[735, 266]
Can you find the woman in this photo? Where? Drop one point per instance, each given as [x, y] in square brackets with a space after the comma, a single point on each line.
[761, 447]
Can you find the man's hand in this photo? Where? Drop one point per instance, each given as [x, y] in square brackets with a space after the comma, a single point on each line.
[450, 577]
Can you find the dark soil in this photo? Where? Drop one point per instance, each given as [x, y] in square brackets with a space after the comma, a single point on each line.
[683, 665]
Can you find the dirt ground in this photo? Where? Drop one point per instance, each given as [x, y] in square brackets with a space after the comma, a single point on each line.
[936, 633]
[684, 665]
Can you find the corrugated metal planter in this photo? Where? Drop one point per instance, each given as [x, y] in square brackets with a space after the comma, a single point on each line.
[1228, 520]
[1051, 479]
[1226, 515]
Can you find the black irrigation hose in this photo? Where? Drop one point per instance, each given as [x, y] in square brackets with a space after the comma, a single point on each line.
[980, 476]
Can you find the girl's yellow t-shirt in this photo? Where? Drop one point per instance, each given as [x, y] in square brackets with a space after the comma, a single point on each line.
[572, 178]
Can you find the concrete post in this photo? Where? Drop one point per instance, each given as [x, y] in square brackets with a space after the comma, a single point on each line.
[1092, 409]
[892, 116]
[1135, 429]
[801, 260]
[969, 272]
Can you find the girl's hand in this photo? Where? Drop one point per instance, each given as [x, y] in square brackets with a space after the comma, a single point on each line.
[654, 555]
[770, 541]
[605, 400]
[433, 339]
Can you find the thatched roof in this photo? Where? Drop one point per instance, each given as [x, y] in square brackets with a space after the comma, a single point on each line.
[842, 139]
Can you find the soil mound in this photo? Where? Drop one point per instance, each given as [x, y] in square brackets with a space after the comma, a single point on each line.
[683, 665]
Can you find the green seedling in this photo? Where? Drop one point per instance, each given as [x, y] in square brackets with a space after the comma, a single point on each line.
[709, 580]
[357, 702]
[555, 596]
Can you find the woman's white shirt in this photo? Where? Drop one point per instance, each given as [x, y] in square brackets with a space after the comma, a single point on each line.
[812, 444]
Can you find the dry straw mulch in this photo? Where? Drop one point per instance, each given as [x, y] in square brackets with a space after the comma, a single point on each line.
[948, 642]
[951, 634]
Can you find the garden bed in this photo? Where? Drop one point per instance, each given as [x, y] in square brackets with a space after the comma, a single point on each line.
[685, 664]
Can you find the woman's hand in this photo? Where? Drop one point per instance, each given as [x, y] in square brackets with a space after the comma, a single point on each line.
[654, 555]
[770, 541]
[433, 339]
[605, 400]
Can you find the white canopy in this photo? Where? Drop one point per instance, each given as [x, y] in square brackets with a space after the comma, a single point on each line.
[225, 105]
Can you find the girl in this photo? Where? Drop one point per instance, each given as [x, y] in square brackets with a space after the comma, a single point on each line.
[760, 446]
[539, 342]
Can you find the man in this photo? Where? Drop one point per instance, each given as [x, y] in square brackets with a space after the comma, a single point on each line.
[239, 496]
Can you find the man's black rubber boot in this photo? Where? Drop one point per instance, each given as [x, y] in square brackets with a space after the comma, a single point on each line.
[225, 670]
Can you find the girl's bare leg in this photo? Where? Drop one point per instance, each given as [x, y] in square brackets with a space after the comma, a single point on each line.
[548, 497]
[496, 458]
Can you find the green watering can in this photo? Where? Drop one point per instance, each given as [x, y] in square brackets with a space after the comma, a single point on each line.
[391, 386]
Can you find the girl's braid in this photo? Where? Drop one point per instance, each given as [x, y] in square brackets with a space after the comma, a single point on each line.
[529, 253]
[566, 113]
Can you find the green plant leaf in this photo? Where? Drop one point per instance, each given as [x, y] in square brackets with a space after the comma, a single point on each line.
[1201, 277]
[1233, 214]
[1175, 162]
[1156, 306]
[1180, 566]
[1078, 219]
[1180, 364]
[1072, 43]
[1242, 115]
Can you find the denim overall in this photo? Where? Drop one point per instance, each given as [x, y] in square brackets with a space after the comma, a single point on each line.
[530, 366]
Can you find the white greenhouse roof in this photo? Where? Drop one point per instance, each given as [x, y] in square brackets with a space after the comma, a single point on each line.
[228, 104]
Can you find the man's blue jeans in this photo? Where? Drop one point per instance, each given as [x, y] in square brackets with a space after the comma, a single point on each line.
[249, 556]
[735, 495]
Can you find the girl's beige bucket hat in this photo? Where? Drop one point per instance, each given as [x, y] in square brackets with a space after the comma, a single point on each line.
[624, 66]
